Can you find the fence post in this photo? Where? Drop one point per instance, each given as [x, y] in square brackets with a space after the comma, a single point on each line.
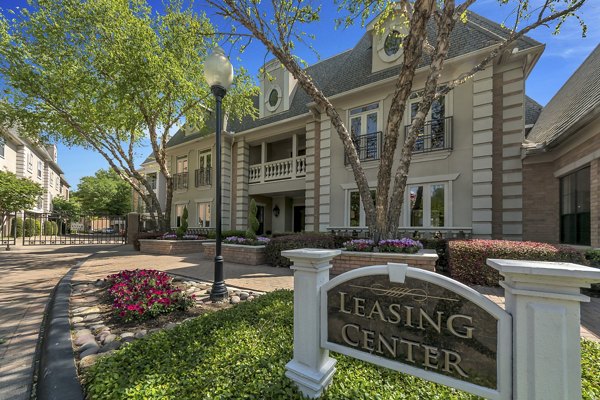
[311, 368]
[544, 301]
[133, 226]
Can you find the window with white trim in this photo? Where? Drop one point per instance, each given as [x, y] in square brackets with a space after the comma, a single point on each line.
[356, 211]
[2, 144]
[364, 127]
[178, 214]
[427, 205]
[434, 135]
[29, 161]
[182, 164]
[39, 170]
[204, 214]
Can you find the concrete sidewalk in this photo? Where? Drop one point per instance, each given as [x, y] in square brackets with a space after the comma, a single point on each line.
[30, 273]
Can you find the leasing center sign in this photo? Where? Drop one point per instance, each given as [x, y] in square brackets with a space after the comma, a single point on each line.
[419, 323]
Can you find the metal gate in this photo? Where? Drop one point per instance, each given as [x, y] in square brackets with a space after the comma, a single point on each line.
[8, 230]
[52, 228]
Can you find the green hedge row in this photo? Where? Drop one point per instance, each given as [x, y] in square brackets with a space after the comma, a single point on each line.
[466, 258]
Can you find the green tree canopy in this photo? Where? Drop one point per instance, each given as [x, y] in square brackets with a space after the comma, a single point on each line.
[103, 193]
[68, 208]
[17, 194]
[108, 74]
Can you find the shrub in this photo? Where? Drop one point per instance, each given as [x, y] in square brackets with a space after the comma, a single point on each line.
[303, 240]
[54, 227]
[48, 230]
[259, 241]
[365, 245]
[593, 257]
[253, 223]
[404, 245]
[145, 235]
[142, 294]
[241, 352]
[441, 248]
[31, 227]
[17, 224]
[182, 229]
[212, 234]
[467, 257]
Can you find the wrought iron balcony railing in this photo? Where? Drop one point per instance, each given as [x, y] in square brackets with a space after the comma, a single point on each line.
[367, 146]
[202, 177]
[434, 135]
[180, 181]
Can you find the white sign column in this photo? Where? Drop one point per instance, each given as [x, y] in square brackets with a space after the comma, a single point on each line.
[544, 300]
[311, 369]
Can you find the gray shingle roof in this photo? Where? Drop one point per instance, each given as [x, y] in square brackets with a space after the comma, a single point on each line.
[578, 97]
[352, 69]
[532, 110]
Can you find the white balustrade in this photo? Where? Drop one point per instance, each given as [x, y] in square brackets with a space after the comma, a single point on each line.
[288, 168]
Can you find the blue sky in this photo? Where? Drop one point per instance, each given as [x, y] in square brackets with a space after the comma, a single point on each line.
[563, 54]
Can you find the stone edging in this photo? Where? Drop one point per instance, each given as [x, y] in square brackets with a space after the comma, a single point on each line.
[56, 372]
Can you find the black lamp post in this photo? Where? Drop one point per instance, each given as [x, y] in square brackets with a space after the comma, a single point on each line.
[219, 75]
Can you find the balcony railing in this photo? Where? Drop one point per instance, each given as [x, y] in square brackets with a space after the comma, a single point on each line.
[288, 168]
[202, 177]
[180, 181]
[367, 146]
[434, 135]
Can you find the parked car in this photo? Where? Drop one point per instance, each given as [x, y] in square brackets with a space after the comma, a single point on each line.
[108, 230]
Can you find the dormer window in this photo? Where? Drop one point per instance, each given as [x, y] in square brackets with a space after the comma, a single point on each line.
[274, 98]
[392, 43]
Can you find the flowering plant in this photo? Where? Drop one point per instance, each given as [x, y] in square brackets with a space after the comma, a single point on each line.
[169, 236]
[143, 294]
[359, 245]
[404, 245]
[259, 241]
[189, 237]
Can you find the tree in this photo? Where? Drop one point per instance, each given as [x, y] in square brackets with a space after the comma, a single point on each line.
[16, 194]
[67, 208]
[108, 74]
[253, 222]
[103, 193]
[280, 30]
[182, 230]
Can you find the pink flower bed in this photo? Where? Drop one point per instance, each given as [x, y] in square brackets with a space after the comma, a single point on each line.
[142, 294]
[404, 245]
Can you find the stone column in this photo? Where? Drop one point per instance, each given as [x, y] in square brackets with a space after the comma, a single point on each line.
[311, 369]
[133, 226]
[544, 299]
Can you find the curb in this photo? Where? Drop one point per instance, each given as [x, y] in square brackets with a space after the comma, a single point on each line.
[57, 373]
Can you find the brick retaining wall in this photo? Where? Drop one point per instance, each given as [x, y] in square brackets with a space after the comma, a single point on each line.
[350, 260]
[237, 253]
[152, 246]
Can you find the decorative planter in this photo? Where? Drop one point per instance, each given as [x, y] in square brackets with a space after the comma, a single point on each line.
[238, 253]
[349, 260]
[154, 246]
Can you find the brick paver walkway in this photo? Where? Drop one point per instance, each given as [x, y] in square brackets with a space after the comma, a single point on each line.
[30, 273]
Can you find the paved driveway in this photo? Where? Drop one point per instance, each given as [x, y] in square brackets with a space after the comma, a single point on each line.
[27, 276]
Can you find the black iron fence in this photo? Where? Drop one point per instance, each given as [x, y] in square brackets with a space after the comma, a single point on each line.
[367, 146]
[434, 135]
[180, 181]
[202, 177]
[8, 230]
[52, 228]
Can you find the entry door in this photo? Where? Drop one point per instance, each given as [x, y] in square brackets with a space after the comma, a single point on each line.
[260, 215]
[299, 218]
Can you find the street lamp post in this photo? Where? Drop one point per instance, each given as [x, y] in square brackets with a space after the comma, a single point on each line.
[219, 75]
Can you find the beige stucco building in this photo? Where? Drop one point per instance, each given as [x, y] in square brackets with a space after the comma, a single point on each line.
[37, 163]
[466, 174]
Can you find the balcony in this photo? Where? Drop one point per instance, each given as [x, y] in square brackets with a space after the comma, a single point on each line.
[202, 177]
[434, 135]
[180, 181]
[367, 146]
[289, 168]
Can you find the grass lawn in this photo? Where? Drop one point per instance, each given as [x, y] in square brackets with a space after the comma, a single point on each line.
[241, 352]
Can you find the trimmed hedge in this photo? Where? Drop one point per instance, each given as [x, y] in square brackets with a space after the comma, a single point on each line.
[303, 240]
[466, 258]
[241, 352]
[17, 223]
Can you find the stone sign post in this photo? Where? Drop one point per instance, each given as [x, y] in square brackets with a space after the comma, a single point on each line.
[427, 325]
[544, 301]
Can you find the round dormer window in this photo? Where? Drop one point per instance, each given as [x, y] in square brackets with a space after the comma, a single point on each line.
[392, 43]
[274, 98]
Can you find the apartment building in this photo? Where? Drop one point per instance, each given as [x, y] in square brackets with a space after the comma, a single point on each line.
[466, 174]
[37, 163]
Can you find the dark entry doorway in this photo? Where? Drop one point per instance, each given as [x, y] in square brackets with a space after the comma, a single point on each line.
[299, 218]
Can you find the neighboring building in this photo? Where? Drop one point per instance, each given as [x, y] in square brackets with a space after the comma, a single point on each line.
[39, 164]
[466, 173]
[561, 168]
